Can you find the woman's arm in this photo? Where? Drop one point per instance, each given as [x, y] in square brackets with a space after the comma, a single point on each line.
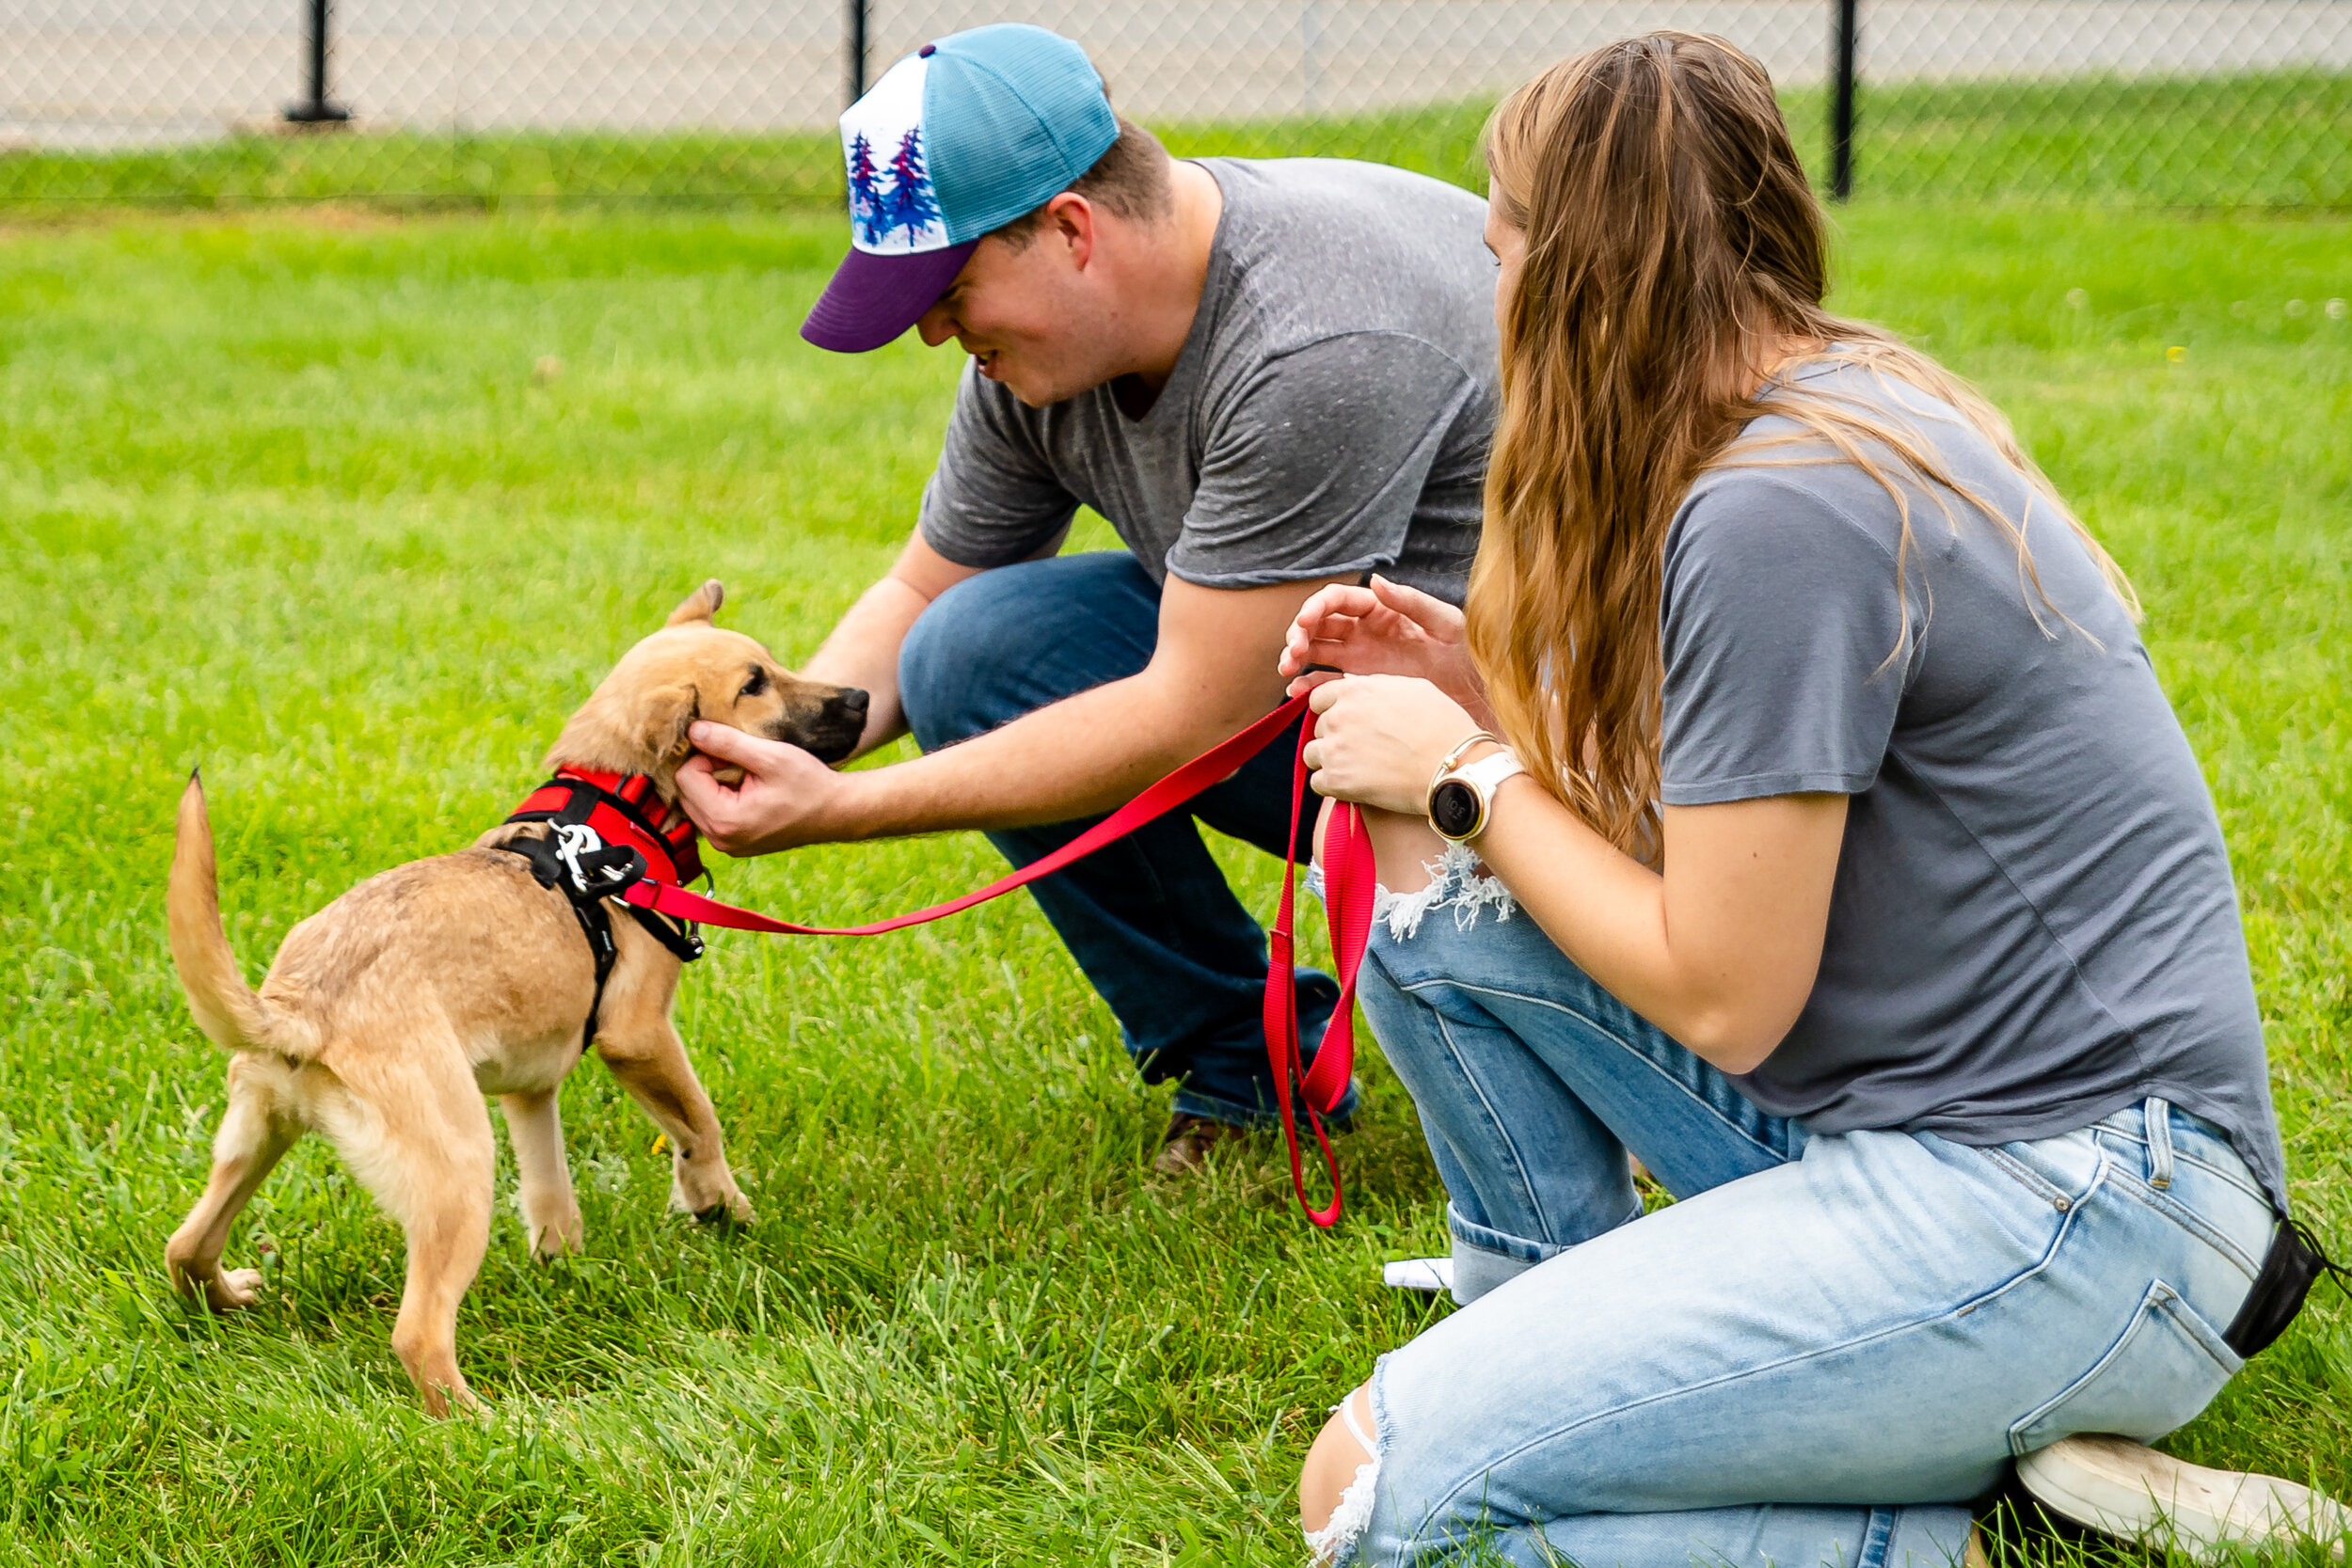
[1720, 951]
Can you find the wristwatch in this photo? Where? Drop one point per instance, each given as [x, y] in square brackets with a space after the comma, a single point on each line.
[1461, 798]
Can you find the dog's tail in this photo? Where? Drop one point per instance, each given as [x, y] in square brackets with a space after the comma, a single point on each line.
[224, 1007]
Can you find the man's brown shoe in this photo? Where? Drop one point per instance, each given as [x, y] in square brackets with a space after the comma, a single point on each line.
[1184, 1146]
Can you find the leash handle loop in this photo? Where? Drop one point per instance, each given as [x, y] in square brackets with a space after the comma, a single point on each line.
[1347, 889]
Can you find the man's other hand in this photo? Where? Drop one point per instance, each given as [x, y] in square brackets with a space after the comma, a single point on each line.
[779, 805]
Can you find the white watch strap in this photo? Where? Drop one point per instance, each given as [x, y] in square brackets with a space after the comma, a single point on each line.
[1487, 774]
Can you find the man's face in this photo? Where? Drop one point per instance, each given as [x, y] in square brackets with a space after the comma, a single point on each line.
[1031, 316]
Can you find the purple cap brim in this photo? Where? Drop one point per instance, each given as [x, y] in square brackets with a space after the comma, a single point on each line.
[873, 299]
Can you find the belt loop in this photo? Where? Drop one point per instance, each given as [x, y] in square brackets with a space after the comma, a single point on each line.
[2158, 1115]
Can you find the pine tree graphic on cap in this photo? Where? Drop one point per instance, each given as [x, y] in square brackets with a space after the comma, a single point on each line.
[866, 192]
[912, 206]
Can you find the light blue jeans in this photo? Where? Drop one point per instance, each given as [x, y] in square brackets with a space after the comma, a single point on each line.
[1820, 1354]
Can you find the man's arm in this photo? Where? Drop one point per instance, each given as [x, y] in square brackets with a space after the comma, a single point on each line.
[1212, 671]
[863, 649]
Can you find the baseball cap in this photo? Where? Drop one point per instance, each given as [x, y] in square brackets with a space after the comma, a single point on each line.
[958, 139]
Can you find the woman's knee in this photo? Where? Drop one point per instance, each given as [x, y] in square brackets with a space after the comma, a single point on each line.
[1337, 1481]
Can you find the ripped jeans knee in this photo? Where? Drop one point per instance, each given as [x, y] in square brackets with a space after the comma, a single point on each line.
[1455, 884]
[1335, 1544]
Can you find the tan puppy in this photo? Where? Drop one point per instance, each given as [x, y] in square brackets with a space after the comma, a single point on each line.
[390, 1014]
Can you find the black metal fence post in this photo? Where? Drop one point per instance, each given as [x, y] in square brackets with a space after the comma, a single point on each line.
[315, 109]
[853, 46]
[1841, 103]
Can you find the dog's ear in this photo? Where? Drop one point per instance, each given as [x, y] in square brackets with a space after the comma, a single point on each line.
[701, 605]
[668, 716]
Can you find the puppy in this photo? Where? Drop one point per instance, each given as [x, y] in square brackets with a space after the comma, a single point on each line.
[390, 1014]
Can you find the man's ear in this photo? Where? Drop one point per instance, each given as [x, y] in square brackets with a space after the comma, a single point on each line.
[701, 605]
[1072, 217]
[672, 712]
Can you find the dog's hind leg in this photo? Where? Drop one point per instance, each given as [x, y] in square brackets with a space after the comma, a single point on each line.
[649, 1059]
[550, 1212]
[258, 1128]
[419, 1134]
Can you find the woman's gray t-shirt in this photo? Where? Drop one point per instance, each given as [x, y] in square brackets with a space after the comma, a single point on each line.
[2033, 923]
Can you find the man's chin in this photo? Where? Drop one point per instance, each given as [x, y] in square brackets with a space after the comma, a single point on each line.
[1031, 395]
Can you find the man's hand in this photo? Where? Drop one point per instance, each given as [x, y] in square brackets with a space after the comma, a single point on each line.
[781, 802]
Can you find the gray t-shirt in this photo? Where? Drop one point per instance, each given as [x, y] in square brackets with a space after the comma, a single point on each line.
[2033, 923]
[1329, 412]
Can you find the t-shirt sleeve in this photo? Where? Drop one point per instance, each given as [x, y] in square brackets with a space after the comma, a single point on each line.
[993, 498]
[1315, 465]
[1786, 654]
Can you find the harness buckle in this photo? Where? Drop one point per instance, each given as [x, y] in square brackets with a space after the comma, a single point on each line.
[573, 840]
[607, 869]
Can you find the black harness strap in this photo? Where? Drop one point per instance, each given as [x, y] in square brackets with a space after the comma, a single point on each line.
[585, 880]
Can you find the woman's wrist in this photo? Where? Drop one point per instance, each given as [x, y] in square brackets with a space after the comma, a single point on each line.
[1462, 792]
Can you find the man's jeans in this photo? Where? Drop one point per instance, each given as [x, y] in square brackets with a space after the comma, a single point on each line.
[1817, 1354]
[1149, 918]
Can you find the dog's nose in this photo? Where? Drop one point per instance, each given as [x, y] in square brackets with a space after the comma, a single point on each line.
[853, 701]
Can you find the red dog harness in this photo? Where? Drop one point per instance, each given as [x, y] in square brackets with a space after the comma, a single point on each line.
[605, 845]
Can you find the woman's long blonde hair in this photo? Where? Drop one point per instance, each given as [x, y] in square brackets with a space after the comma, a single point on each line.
[1673, 245]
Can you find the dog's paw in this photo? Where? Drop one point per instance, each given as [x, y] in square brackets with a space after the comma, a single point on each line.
[561, 1239]
[710, 1201]
[233, 1288]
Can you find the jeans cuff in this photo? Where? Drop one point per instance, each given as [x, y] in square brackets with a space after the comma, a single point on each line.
[1193, 1103]
[1485, 1258]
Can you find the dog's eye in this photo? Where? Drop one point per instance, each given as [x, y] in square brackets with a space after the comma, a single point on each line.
[757, 683]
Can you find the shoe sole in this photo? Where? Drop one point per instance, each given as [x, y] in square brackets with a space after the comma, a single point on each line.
[2122, 1488]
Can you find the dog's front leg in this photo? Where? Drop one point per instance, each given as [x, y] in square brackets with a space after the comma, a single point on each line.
[649, 1059]
[550, 1212]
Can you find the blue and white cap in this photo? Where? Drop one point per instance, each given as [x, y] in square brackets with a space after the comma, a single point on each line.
[956, 140]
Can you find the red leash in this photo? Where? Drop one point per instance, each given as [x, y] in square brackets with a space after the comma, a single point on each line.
[1348, 877]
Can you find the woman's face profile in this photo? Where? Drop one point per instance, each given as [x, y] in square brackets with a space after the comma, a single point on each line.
[1510, 247]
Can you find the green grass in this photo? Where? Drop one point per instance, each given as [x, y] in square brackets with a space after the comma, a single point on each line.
[286, 498]
[2257, 139]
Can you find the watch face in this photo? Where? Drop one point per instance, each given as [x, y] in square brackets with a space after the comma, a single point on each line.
[1453, 809]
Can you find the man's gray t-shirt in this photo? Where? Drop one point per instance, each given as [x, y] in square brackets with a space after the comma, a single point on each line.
[2033, 922]
[1329, 412]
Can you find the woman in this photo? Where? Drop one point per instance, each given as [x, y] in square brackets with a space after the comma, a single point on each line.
[1858, 880]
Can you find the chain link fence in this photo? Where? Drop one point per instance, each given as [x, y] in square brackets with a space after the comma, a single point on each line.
[211, 102]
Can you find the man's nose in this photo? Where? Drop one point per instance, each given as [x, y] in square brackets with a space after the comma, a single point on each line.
[937, 325]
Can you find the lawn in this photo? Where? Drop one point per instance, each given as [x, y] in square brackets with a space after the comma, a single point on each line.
[295, 497]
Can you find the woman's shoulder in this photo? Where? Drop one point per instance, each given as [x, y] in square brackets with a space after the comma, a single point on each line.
[1841, 442]
[1800, 497]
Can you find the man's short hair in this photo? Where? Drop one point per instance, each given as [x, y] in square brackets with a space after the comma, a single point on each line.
[1131, 180]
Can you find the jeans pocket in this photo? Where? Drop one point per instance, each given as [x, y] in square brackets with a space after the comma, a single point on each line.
[2166, 1366]
[2062, 1169]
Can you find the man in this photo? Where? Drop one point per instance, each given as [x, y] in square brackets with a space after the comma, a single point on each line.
[1268, 377]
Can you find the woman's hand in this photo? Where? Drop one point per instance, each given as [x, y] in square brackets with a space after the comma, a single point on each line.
[1379, 738]
[1385, 629]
